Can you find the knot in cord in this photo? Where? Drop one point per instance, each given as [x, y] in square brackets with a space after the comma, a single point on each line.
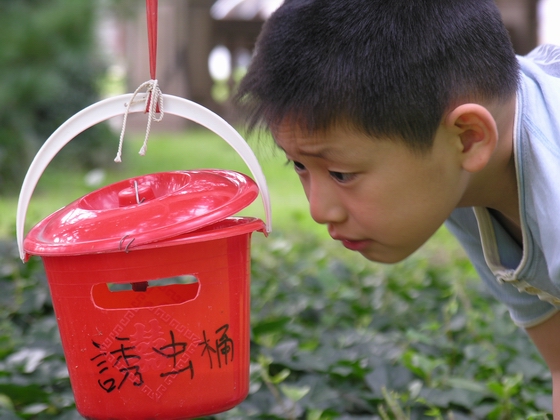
[154, 106]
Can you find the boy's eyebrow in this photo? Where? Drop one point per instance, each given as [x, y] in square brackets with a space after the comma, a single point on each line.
[321, 154]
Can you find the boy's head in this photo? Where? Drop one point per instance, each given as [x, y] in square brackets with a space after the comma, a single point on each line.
[387, 68]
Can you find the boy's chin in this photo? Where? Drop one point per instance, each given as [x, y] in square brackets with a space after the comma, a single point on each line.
[388, 257]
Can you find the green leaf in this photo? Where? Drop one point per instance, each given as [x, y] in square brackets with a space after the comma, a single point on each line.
[496, 388]
[467, 384]
[7, 414]
[280, 376]
[24, 394]
[295, 393]
[34, 409]
[6, 402]
[446, 398]
[269, 326]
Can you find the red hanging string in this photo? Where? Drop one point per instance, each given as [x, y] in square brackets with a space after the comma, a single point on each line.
[154, 102]
[152, 21]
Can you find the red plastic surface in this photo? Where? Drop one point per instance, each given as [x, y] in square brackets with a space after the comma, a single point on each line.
[140, 211]
[163, 349]
[171, 352]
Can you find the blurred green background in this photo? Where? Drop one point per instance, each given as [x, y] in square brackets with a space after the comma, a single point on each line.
[48, 71]
[333, 336]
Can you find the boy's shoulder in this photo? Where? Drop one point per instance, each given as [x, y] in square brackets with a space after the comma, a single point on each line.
[545, 57]
[540, 90]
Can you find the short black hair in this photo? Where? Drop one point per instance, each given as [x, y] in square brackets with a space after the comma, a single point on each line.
[390, 68]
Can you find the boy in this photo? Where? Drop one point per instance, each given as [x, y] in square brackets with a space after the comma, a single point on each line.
[401, 115]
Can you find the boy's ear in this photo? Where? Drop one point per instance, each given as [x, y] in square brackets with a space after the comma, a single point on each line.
[477, 132]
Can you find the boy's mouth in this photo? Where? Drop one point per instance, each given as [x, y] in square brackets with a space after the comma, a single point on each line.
[353, 245]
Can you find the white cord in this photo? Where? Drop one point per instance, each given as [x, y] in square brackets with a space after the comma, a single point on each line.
[154, 98]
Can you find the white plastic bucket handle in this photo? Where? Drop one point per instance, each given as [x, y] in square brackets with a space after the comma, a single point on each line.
[114, 107]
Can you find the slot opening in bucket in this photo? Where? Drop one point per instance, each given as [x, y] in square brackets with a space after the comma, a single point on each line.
[164, 291]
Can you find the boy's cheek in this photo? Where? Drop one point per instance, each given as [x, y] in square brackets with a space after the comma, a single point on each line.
[305, 187]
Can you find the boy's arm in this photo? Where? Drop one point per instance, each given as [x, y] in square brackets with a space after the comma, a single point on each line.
[546, 337]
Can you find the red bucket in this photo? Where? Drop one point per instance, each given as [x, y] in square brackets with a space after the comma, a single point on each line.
[174, 343]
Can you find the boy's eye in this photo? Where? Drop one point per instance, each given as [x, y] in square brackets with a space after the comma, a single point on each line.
[299, 167]
[342, 177]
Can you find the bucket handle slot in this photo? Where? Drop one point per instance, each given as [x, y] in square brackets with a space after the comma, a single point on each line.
[116, 106]
[153, 293]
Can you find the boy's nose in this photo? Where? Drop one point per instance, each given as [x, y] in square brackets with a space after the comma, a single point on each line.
[325, 206]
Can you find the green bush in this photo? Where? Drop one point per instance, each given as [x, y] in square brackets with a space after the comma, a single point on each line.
[49, 70]
[333, 337]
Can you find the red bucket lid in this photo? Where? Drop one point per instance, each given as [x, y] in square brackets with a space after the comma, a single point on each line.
[145, 209]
